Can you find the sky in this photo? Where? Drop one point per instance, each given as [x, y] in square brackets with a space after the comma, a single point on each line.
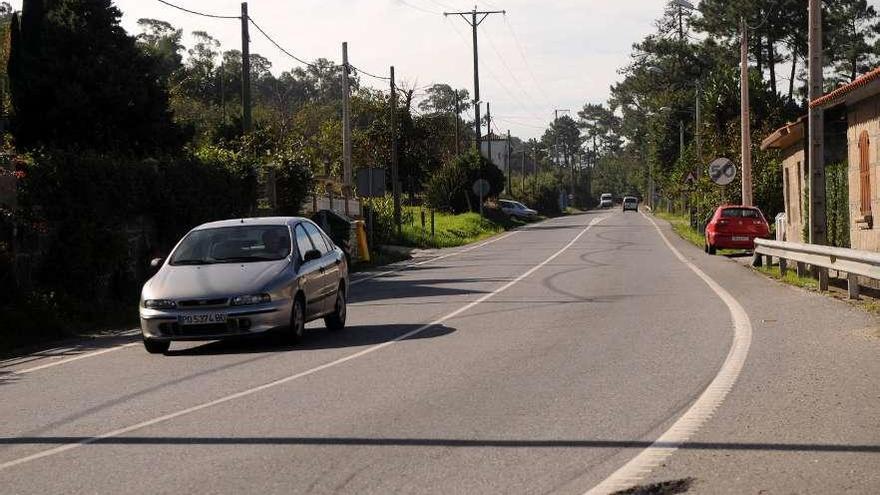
[540, 56]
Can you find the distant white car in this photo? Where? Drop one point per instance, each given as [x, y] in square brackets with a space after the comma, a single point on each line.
[630, 203]
[515, 209]
[606, 200]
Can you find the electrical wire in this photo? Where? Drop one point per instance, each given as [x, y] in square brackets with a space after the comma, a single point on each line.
[368, 74]
[416, 7]
[510, 71]
[251, 19]
[214, 16]
[525, 59]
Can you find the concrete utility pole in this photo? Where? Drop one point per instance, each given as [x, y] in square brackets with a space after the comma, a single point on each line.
[522, 166]
[816, 153]
[746, 134]
[395, 182]
[697, 126]
[346, 127]
[473, 22]
[245, 70]
[507, 165]
[488, 132]
[457, 125]
[680, 139]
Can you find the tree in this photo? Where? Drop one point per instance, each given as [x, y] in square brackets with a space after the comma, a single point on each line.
[162, 42]
[78, 79]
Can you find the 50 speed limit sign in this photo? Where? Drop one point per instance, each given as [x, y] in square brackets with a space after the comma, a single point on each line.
[722, 171]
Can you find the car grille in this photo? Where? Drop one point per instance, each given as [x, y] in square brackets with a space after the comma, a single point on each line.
[202, 303]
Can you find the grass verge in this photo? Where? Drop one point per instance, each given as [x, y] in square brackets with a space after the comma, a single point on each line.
[452, 230]
[681, 225]
[791, 277]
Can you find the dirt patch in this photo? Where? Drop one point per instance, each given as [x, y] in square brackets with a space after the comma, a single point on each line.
[662, 488]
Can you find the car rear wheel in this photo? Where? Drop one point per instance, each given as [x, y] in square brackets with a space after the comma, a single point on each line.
[710, 248]
[297, 321]
[156, 346]
[336, 319]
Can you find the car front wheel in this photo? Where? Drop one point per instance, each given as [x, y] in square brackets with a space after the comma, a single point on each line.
[336, 319]
[156, 346]
[297, 321]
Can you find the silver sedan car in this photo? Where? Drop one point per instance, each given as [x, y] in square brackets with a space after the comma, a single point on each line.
[242, 277]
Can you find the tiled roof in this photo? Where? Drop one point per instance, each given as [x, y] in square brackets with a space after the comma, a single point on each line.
[845, 90]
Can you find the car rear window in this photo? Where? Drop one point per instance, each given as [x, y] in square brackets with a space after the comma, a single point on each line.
[740, 213]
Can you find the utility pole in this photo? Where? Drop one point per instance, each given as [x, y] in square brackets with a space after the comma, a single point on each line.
[223, 92]
[681, 140]
[489, 131]
[697, 130]
[816, 158]
[473, 22]
[745, 127]
[245, 70]
[395, 183]
[346, 127]
[457, 125]
[507, 164]
[522, 166]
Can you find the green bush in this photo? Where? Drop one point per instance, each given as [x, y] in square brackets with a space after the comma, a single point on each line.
[837, 196]
[541, 192]
[450, 189]
[82, 204]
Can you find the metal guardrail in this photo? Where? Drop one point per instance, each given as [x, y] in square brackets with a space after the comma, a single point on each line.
[853, 262]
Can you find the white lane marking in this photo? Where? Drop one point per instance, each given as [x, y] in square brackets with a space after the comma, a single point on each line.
[281, 381]
[438, 258]
[74, 358]
[706, 404]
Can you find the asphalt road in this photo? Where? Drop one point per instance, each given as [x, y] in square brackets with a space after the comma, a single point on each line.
[542, 361]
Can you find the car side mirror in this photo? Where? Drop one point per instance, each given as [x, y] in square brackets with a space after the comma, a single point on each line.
[156, 262]
[311, 254]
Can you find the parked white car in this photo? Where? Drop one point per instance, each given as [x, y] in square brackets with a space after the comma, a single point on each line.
[515, 209]
[606, 200]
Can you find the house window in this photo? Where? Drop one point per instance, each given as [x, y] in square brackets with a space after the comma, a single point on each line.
[865, 173]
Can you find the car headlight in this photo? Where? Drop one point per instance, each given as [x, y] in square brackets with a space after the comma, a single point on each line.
[251, 299]
[160, 304]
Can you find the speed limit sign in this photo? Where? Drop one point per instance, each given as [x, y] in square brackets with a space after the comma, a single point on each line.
[722, 171]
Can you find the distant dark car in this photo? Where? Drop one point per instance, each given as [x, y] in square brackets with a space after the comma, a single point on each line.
[735, 227]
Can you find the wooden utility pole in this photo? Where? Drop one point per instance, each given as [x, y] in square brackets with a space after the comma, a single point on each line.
[746, 134]
[471, 19]
[489, 131]
[395, 183]
[346, 127]
[245, 70]
[522, 166]
[816, 153]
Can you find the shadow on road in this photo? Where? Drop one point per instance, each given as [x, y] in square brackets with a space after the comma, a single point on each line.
[446, 442]
[394, 288]
[354, 336]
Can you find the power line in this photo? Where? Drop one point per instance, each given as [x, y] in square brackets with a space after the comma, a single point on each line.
[525, 59]
[368, 74]
[214, 16]
[251, 19]
[416, 7]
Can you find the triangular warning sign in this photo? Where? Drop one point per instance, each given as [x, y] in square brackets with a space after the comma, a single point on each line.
[690, 179]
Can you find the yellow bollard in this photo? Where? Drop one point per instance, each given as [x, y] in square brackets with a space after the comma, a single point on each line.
[363, 249]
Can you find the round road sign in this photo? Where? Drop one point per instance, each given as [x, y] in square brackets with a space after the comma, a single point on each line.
[722, 171]
[481, 187]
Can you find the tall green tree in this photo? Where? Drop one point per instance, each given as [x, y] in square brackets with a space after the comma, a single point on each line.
[78, 79]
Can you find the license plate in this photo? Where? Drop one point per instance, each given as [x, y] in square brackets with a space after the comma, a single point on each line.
[740, 238]
[201, 318]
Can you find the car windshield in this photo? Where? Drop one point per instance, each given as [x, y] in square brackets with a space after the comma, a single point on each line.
[249, 243]
[740, 213]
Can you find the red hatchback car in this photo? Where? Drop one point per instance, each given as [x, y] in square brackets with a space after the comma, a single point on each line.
[735, 227]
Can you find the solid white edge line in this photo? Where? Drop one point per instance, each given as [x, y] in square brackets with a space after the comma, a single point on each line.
[74, 358]
[706, 404]
[244, 393]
